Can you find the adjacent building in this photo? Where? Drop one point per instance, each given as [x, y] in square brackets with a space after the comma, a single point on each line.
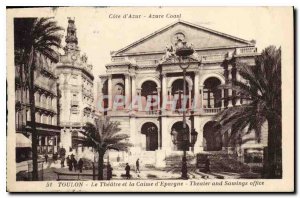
[46, 109]
[148, 67]
[75, 87]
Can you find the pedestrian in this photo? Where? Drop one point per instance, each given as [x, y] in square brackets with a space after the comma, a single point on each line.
[46, 157]
[62, 162]
[137, 163]
[69, 163]
[207, 165]
[72, 157]
[109, 171]
[80, 165]
[54, 157]
[62, 152]
[75, 164]
[127, 169]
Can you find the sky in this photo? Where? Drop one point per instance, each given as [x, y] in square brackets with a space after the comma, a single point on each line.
[99, 34]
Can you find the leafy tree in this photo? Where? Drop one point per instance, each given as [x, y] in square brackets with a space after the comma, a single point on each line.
[261, 95]
[35, 39]
[105, 135]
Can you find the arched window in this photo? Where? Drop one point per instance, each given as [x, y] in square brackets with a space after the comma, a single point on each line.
[49, 120]
[54, 122]
[37, 117]
[28, 115]
[43, 100]
[49, 101]
[53, 103]
[37, 98]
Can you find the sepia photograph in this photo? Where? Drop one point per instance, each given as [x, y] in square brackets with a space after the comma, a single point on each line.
[150, 99]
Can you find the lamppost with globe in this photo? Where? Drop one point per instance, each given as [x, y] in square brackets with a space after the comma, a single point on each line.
[183, 52]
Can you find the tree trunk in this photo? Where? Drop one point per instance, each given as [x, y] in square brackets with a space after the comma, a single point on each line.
[34, 137]
[100, 164]
[274, 162]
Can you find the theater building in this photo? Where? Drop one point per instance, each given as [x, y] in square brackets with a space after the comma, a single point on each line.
[148, 68]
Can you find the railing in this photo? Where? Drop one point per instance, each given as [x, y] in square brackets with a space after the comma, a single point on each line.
[211, 110]
[246, 50]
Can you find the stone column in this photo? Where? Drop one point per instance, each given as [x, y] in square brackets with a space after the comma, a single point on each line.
[198, 147]
[196, 91]
[202, 96]
[127, 88]
[222, 96]
[229, 95]
[133, 85]
[229, 73]
[158, 97]
[133, 135]
[110, 92]
[166, 135]
[164, 88]
[238, 78]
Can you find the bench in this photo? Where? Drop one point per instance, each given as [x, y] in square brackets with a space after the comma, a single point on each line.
[71, 176]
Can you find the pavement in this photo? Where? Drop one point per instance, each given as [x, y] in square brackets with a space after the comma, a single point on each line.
[52, 169]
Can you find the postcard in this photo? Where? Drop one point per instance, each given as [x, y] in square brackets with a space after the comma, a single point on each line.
[150, 99]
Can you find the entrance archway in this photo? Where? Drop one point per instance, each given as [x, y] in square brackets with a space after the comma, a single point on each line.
[212, 137]
[179, 137]
[150, 130]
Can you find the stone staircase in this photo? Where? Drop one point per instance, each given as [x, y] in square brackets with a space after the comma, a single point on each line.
[175, 160]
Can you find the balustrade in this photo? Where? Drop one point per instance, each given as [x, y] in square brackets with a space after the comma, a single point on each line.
[246, 50]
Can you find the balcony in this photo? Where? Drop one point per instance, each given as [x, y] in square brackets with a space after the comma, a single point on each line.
[246, 51]
[211, 111]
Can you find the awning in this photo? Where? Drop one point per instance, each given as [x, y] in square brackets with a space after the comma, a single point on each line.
[23, 141]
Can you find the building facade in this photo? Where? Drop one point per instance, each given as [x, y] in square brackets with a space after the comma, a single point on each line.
[46, 109]
[75, 85]
[148, 69]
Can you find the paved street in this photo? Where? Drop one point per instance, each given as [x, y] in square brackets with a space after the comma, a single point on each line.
[52, 170]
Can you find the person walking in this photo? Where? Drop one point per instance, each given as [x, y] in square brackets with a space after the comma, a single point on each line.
[62, 161]
[109, 171]
[46, 157]
[80, 165]
[137, 164]
[75, 164]
[69, 163]
[127, 169]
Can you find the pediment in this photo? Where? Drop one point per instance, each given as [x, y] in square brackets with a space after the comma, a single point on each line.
[200, 37]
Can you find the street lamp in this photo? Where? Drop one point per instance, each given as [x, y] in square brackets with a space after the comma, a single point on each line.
[183, 51]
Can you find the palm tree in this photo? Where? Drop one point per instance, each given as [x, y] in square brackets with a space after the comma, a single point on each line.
[261, 92]
[105, 135]
[35, 38]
